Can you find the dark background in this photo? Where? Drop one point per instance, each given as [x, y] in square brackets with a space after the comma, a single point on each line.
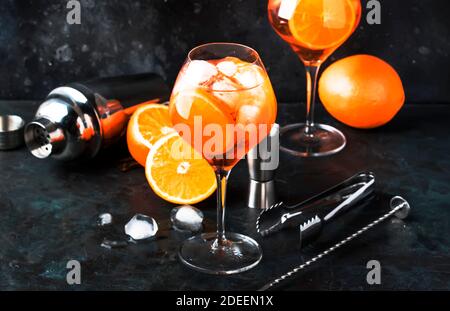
[39, 50]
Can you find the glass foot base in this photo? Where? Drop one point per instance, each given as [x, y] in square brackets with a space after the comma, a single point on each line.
[240, 253]
[322, 141]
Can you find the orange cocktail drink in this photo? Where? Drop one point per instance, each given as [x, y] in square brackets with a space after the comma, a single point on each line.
[223, 105]
[226, 105]
[314, 29]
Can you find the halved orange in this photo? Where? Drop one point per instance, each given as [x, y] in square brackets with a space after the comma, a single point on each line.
[147, 124]
[320, 25]
[177, 173]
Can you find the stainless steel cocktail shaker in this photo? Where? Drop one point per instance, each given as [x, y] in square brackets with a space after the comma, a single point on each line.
[78, 120]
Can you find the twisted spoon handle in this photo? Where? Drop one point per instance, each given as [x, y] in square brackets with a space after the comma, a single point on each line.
[331, 249]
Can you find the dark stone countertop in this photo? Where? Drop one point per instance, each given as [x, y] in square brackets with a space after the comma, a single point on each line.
[48, 215]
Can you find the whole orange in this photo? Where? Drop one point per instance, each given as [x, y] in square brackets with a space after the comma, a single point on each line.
[361, 91]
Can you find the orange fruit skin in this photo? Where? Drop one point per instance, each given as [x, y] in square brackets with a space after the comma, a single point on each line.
[138, 151]
[156, 123]
[361, 91]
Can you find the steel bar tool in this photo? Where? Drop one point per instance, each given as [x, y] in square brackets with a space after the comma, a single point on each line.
[311, 215]
[400, 208]
[262, 164]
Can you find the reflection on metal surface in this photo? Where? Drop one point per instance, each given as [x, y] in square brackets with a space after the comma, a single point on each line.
[11, 132]
[262, 162]
[318, 210]
[400, 208]
[78, 120]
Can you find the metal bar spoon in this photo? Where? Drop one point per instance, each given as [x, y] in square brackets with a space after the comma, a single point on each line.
[399, 207]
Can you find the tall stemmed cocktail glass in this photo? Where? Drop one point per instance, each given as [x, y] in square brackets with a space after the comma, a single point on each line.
[314, 29]
[223, 105]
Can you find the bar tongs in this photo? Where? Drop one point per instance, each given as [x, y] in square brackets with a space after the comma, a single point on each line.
[310, 215]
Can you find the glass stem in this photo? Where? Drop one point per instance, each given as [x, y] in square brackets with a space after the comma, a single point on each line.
[222, 178]
[312, 71]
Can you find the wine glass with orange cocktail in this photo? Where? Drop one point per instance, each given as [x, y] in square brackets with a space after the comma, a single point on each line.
[314, 29]
[223, 105]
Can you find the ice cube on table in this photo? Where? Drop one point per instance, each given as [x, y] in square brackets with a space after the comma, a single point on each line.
[228, 68]
[187, 218]
[105, 219]
[141, 227]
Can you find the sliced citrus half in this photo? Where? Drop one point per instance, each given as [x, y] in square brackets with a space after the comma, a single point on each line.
[148, 124]
[199, 102]
[320, 25]
[199, 109]
[177, 173]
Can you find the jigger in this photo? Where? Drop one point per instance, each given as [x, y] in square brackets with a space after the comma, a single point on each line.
[262, 164]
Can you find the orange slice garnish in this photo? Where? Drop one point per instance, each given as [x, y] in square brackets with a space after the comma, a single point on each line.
[324, 24]
[190, 106]
[177, 173]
